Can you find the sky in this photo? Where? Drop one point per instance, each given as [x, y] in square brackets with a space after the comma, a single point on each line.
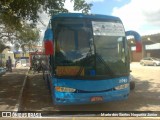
[142, 16]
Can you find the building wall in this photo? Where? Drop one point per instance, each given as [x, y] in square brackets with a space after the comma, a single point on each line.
[153, 53]
[136, 56]
[7, 54]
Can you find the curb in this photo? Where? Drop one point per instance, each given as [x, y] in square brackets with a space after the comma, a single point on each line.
[18, 105]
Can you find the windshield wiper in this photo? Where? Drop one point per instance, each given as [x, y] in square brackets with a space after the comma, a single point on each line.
[84, 61]
[101, 60]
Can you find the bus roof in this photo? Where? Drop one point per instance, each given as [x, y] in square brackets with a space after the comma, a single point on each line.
[82, 15]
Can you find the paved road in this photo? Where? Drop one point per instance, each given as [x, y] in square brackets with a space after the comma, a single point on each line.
[36, 96]
[145, 97]
[10, 87]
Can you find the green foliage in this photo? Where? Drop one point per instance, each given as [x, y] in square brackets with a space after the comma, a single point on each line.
[18, 10]
[28, 36]
[2, 47]
[16, 46]
[81, 5]
[15, 13]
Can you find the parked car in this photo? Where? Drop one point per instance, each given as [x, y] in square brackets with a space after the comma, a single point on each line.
[2, 71]
[150, 61]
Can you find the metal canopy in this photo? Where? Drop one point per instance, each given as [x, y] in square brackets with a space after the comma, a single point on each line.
[147, 39]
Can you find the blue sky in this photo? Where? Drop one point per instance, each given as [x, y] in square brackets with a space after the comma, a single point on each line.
[142, 16]
[106, 6]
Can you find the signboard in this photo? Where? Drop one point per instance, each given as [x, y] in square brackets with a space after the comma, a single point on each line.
[108, 28]
[69, 70]
[20, 55]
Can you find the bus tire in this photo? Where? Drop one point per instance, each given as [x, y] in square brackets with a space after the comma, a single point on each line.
[132, 85]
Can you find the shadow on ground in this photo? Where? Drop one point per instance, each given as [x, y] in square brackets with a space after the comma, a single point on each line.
[10, 86]
[145, 97]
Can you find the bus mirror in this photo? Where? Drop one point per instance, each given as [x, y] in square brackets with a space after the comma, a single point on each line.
[48, 42]
[137, 38]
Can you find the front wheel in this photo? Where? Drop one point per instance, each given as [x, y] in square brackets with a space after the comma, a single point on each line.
[143, 64]
[154, 64]
[132, 85]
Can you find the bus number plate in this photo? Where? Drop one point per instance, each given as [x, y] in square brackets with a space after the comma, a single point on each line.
[97, 98]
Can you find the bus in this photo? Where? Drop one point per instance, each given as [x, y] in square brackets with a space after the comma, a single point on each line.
[88, 58]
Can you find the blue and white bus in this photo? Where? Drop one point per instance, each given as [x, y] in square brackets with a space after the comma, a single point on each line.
[88, 58]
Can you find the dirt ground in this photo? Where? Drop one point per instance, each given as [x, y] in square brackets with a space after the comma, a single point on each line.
[145, 97]
[36, 96]
[10, 86]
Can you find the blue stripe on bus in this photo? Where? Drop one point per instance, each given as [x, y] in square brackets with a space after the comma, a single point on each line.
[81, 15]
[90, 85]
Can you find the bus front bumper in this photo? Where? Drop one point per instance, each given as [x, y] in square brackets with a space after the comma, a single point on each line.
[62, 98]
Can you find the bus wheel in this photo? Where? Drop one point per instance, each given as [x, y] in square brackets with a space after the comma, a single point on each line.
[132, 85]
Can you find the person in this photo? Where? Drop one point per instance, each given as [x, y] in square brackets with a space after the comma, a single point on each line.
[9, 64]
[16, 63]
[40, 66]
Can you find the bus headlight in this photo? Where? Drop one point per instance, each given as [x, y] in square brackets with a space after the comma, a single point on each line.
[64, 89]
[122, 86]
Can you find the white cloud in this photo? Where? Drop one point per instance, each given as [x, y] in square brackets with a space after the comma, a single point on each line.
[44, 17]
[138, 14]
[118, 0]
[90, 1]
[69, 6]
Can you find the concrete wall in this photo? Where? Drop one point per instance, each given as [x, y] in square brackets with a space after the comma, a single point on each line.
[8, 53]
[136, 56]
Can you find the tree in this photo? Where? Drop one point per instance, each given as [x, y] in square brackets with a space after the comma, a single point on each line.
[19, 37]
[27, 37]
[7, 34]
[15, 13]
[2, 47]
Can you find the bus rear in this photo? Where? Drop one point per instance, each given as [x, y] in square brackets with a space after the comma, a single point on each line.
[89, 60]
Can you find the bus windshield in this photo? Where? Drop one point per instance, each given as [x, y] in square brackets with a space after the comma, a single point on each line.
[89, 48]
[110, 42]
